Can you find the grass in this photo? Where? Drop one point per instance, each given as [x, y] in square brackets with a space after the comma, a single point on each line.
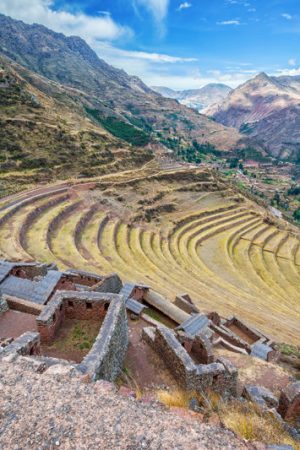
[210, 402]
[250, 424]
[289, 350]
[244, 419]
[159, 317]
[79, 335]
[170, 257]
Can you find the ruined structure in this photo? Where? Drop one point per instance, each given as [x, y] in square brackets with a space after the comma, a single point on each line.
[219, 376]
[186, 346]
[54, 296]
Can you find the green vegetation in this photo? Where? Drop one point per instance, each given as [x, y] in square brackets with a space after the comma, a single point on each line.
[251, 153]
[197, 152]
[76, 335]
[246, 128]
[297, 215]
[289, 350]
[294, 190]
[120, 129]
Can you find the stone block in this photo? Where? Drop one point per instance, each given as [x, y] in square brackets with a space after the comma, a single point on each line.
[289, 401]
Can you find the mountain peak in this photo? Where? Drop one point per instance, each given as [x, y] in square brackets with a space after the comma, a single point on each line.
[262, 76]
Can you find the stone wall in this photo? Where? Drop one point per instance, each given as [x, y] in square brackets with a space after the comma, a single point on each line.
[203, 349]
[27, 344]
[72, 305]
[51, 318]
[23, 305]
[29, 271]
[105, 359]
[230, 337]
[111, 283]
[187, 306]
[220, 376]
[251, 332]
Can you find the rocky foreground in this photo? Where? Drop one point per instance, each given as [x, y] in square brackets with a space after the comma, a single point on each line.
[56, 409]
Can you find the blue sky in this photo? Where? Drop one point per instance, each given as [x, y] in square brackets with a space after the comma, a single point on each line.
[179, 44]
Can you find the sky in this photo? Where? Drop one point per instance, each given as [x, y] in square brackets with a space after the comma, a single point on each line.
[176, 43]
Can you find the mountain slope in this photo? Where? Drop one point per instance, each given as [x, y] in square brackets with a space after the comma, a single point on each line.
[266, 109]
[45, 134]
[109, 95]
[197, 98]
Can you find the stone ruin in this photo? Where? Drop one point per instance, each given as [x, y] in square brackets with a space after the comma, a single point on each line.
[187, 349]
[219, 376]
[54, 296]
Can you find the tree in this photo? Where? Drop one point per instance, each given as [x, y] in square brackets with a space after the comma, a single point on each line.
[297, 214]
[233, 163]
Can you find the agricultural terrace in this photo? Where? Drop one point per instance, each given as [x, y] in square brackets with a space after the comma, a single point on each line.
[178, 231]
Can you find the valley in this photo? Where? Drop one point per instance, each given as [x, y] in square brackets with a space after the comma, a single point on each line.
[149, 237]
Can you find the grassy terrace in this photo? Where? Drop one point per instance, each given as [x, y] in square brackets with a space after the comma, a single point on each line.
[219, 251]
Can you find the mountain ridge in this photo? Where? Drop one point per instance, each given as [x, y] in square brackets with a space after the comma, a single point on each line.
[267, 109]
[107, 92]
[200, 98]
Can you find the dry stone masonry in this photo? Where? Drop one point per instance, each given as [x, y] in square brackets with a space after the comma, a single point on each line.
[187, 348]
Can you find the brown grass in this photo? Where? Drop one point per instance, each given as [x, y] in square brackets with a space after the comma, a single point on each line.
[252, 425]
[242, 418]
[210, 401]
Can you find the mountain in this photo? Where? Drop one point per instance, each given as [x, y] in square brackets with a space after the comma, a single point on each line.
[167, 92]
[122, 104]
[197, 98]
[45, 134]
[266, 109]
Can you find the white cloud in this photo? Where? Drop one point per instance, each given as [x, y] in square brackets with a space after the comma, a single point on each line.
[158, 8]
[184, 5]
[229, 22]
[114, 52]
[194, 80]
[292, 62]
[88, 27]
[288, 72]
[287, 16]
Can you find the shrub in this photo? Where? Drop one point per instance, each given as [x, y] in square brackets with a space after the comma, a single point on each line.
[120, 129]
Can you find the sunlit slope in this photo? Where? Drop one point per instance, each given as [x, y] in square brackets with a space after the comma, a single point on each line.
[198, 240]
